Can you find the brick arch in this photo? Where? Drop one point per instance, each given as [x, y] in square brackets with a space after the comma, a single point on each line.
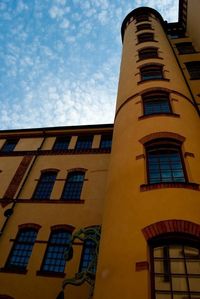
[29, 225]
[50, 170]
[171, 226]
[156, 135]
[63, 226]
[77, 169]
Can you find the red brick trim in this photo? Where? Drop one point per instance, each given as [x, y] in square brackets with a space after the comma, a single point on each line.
[77, 169]
[50, 169]
[49, 274]
[30, 225]
[15, 271]
[156, 135]
[148, 187]
[158, 114]
[140, 266]
[18, 176]
[171, 226]
[63, 226]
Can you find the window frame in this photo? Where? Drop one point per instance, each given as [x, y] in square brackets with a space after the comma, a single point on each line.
[165, 241]
[16, 248]
[108, 137]
[51, 244]
[153, 71]
[41, 185]
[153, 97]
[144, 26]
[145, 37]
[185, 48]
[193, 68]
[72, 186]
[58, 146]
[148, 54]
[85, 139]
[176, 146]
[6, 143]
[142, 18]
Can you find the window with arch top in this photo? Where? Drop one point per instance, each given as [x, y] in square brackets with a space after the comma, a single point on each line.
[156, 102]
[164, 161]
[45, 185]
[148, 52]
[151, 72]
[73, 186]
[175, 266]
[145, 37]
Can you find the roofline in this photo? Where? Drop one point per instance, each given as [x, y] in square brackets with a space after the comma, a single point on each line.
[42, 129]
[138, 11]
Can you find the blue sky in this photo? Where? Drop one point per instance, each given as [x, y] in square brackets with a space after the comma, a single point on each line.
[60, 59]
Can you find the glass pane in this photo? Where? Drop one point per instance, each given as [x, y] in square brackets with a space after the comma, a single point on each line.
[181, 296]
[163, 296]
[179, 284]
[161, 284]
[177, 266]
[194, 283]
[193, 266]
[158, 267]
[191, 252]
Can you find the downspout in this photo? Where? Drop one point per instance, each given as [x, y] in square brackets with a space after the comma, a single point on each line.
[9, 212]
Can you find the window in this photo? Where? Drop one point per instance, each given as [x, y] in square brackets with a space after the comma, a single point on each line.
[54, 260]
[164, 161]
[145, 37]
[144, 27]
[73, 186]
[22, 249]
[193, 68]
[185, 48]
[84, 142]
[175, 267]
[45, 185]
[61, 143]
[156, 102]
[142, 18]
[106, 141]
[88, 253]
[9, 145]
[148, 53]
[151, 72]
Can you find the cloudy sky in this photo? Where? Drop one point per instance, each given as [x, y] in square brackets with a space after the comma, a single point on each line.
[59, 59]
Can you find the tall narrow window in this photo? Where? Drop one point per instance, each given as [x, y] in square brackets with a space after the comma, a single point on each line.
[193, 68]
[45, 185]
[61, 143]
[145, 37]
[175, 267]
[87, 257]
[151, 72]
[9, 145]
[185, 48]
[106, 141]
[73, 186]
[84, 142]
[22, 249]
[54, 260]
[156, 102]
[164, 161]
[149, 52]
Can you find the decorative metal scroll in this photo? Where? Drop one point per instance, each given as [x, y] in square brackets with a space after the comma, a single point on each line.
[88, 274]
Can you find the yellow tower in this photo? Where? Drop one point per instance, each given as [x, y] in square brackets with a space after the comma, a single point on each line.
[150, 234]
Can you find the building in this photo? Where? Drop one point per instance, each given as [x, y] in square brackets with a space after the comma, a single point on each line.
[144, 193]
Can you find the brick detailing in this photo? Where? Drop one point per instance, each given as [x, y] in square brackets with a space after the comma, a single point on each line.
[63, 226]
[18, 176]
[161, 135]
[171, 226]
[29, 225]
[148, 187]
[140, 266]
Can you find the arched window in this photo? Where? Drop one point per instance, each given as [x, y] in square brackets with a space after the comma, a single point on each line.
[73, 186]
[151, 72]
[145, 37]
[149, 52]
[164, 161]
[156, 102]
[22, 249]
[54, 260]
[45, 185]
[175, 266]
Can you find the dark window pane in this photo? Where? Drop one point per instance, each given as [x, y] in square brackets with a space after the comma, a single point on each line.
[73, 186]
[9, 145]
[143, 27]
[54, 260]
[61, 143]
[22, 249]
[145, 37]
[193, 68]
[45, 185]
[142, 18]
[185, 48]
[106, 142]
[156, 103]
[84, 142]
[148, 53]
[151, 72]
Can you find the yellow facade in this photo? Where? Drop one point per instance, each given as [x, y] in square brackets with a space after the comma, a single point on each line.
[144, 193]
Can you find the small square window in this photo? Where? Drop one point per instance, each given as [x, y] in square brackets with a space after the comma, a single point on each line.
[185, 48]
[145, 37]
[151, 72]
[193, 68]
[61, 143]
[148, 53]
[144, 27]
[9, 145]
[84, 142]
[106, 141]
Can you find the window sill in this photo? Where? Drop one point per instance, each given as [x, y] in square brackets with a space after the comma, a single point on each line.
[148, 187]
[51, 201]
[50, 274]
[150, 80]
[155, 57]
[13, 270]
[158, 114]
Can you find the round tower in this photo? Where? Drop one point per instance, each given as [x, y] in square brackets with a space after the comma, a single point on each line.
[152, 205]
